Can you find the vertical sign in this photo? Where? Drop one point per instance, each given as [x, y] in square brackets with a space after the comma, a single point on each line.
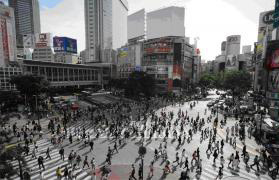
[276, 15]
[5, 39]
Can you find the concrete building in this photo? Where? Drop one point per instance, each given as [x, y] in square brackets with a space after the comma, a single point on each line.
[106, 28]
[43, 54]
[5, 76]
[166, 22]
[170, 60]
[8, 51]
[27, 18]
[264, 35]
[63, 75]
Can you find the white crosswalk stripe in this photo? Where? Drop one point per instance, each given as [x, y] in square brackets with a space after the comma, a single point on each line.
[210, 172]
[50, 164]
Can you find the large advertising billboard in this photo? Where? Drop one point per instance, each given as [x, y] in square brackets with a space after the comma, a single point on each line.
[43, 40]
[64, 44]
[232, 62]
[5, 40]
[123, 52]
[272, 55]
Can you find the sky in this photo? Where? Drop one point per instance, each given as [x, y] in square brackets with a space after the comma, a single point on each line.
[210, 20]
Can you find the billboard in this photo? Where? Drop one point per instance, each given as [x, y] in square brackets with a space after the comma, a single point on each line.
[123, 52]
[43, 40]
[231, 62]
[28, 41]
[266, 21]
[273, 80]
[233, 45]
[5, 40]
[272, 55]
[64, 44]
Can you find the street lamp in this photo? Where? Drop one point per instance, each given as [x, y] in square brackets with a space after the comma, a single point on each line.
[142, 152]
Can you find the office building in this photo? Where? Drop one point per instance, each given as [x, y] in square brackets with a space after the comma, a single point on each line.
[27, 18]
[129, 59]
[5, 76]
[106, 28]
[171, 61]
[165, 22]
[43, 54]
[7, 35]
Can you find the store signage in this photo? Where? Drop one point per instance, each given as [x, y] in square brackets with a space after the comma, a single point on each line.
[268, 17]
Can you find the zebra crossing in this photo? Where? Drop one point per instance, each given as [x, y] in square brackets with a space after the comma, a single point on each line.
[50, 164]
[210, 171]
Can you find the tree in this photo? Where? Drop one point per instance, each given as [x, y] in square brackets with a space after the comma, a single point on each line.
[207, 80]
[238, 82]
[9, 154]
[30, 85]
[140, 83]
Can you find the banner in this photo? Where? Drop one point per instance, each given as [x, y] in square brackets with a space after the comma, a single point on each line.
[276, 15]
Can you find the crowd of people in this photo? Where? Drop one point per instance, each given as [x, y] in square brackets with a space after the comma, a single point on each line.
[145, 120]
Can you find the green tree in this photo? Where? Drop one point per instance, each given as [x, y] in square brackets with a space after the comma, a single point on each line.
[238, 82]
[207, 80]
[10, 154]
[140, 83]
[30, 85]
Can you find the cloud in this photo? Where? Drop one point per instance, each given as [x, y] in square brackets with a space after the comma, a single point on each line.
[65, 19]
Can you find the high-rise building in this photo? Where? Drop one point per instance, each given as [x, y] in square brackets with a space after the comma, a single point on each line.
[27, 18]
[106, 28]
[166, 22]
[7, 35]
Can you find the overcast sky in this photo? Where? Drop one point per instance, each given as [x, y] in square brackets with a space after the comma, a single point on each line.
[210, 20]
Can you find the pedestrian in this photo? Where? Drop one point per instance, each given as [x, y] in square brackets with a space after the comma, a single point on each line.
[256, 162]
[48, 153]
[41, 162]
[186, 164]
[222, 145]
[61, 152]
[66, 173]
[220, 173]
[209, 148]
[234, 141]
[194, 156]
[215, 156]
[243, 151]
[199, 167]
[132, 175]
[93, 164]
[151, 169]
[85, 162]
[91, 144]
[115, 147]
[246, 158]
[59, 173]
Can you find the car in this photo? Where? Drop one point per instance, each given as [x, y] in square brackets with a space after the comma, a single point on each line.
[210, 104]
